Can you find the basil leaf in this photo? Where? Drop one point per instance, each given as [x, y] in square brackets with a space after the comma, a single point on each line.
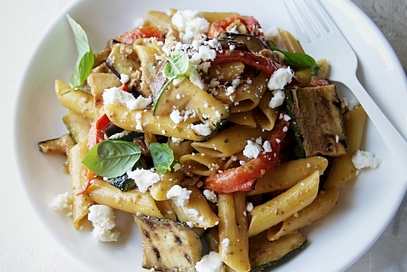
[84, 63]
[163, 157]
[297, 60]
[177, 65]
[112, 158]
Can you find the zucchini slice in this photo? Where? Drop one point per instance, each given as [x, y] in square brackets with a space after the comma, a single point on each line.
[77, 125]
[264, 253]
[317, 121]
[168, 245]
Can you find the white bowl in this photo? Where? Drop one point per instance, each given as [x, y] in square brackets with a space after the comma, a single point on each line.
[365, 207]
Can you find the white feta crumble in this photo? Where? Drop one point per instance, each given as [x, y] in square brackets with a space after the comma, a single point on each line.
[364, 159]
[62, 203]
[190, 22]
[251, 150]
[102, 218]
[116, 96]
[210, 195]
[267, 146]
[179, 194]
[202, 129]
[280, 78]
[124, 78]
[277, 99]
[210, 263]
[143, 178]
[249, 207]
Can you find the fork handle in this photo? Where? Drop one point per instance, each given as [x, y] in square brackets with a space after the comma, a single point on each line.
[395, 142]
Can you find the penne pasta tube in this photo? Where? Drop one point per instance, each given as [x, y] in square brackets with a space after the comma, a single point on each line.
[321, 206]
[144, 121]
[159, 190]
[288, 174]
[76, 101]
[342, 168]
[197, 211]
[200, 164]
[284, 205]
[98, 82]
[249, 93]
[131, 201]
[80, 199]
[229, 141]
[243, 118]
[266, 116]
[233, 239]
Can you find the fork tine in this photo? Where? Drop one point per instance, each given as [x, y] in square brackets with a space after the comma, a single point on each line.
[309, 18]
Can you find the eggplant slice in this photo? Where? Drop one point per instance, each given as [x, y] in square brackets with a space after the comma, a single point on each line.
[317, 121]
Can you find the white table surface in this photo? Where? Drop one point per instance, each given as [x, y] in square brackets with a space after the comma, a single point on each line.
[24, 244]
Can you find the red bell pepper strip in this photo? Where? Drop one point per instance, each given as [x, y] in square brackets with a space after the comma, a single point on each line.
[263, 64]
[243, 178]
[140, 32]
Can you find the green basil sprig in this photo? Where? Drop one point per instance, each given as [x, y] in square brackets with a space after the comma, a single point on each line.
[163, 157]
[85, 61]
[112, 158]
[297, 60]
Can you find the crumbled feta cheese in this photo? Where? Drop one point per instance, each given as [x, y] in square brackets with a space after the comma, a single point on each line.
[363, 159]
[210, 195]
[143, 178]
[202, 129]
[267, 146]
[280, 78]
[251, 150]
[116, 95]
[277, 99]
[190, 22]
[179, 194]
[62, 203]
[210, 263]
[249, 207]
[124, 78]
[102, 218]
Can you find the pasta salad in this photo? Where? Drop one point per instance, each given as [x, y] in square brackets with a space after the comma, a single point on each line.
[212, 132]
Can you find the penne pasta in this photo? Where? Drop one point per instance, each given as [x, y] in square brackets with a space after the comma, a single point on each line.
[132, 201]
[233, 239]
[284, 205]
[80, 198]
[342, 168]
[288, 174]
[77, 101]
[321, 206]
[229, 141]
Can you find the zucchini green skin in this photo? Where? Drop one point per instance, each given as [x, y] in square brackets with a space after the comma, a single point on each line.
[293, 131]
[77, 125]
[264, 253]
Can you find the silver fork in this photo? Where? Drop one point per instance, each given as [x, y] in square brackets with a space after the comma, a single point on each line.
[316, 32]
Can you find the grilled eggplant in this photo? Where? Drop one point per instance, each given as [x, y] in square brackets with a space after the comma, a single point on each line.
[168, 245]
[317, 121]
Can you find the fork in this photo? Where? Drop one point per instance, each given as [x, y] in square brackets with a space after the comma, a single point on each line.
[317, 31]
